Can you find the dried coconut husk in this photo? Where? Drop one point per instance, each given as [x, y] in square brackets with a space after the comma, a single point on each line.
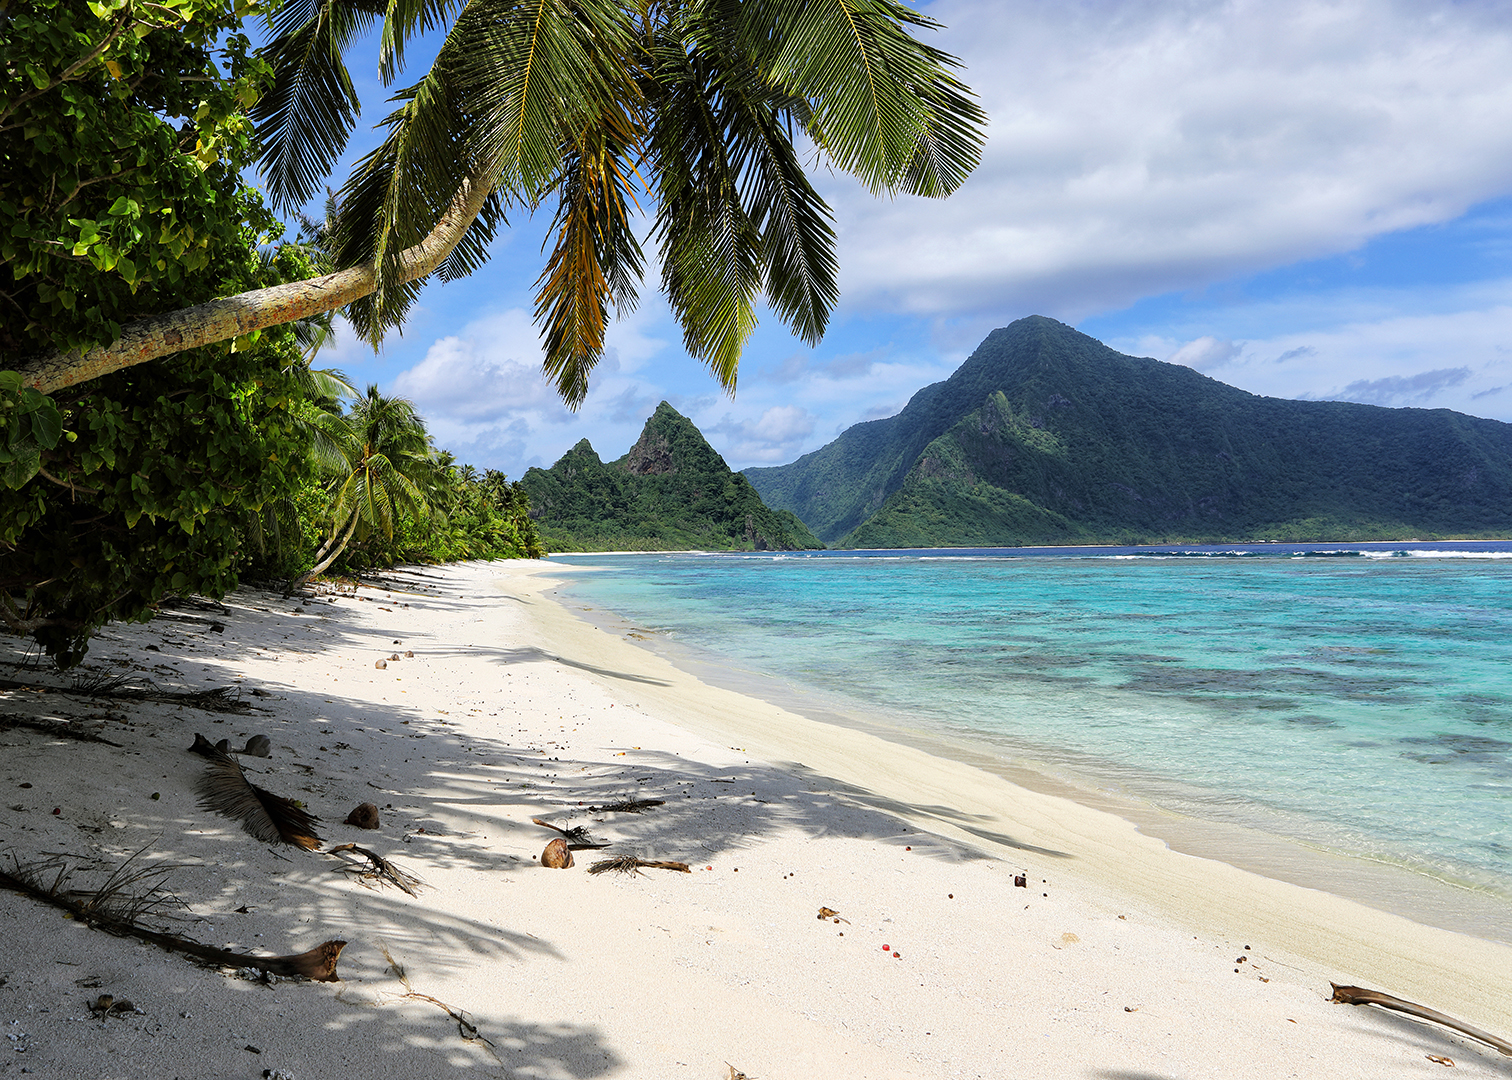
[557, 856]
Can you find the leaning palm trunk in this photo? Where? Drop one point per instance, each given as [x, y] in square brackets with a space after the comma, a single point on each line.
[234, 316]
[335, 546]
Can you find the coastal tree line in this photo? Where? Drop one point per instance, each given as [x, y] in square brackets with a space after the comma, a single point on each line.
[163, 429]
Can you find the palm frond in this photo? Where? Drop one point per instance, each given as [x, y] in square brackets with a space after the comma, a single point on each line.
[884, 107]
[307, 115]
[268, 817]
[596, 262]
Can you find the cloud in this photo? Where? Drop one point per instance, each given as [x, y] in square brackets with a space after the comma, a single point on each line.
[1402, 390]
[1138, 148]
[1206, 353]
[776, 436]
[1376, 350]
[487, 373]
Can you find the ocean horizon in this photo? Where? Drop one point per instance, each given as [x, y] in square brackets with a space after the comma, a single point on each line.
[1353, 699]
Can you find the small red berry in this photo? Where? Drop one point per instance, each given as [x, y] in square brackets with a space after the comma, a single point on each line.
[887, 948]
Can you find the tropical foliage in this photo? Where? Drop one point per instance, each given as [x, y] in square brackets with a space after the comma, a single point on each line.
[672, 491]
[588, 107]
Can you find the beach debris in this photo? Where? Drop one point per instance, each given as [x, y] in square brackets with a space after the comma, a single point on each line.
[736, 1074]
[129, 893]
[257, 746]
[831, 913]
[1355, 995]
[629, 864]
[377, 868]
[381, 664]
[627, 806]
[409, 654]
[1437, 1060]
[364, 816]
[58, 728]
[1021, 881]
[224, 788]
[277, 1074]
[577, 837]
[106, 1005]
[557, 855]
[465, 1026]
[222, 699]
[393, 656]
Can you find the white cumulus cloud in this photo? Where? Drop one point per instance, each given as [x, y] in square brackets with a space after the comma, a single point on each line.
[1143, 146]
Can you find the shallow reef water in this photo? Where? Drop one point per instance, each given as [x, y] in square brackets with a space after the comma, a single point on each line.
[1355, 697]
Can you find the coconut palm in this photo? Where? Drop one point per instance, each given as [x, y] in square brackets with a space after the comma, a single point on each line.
[389, 468]
[589, 107]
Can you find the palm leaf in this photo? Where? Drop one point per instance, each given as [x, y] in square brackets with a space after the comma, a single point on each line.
[307, 115]
[597, 261]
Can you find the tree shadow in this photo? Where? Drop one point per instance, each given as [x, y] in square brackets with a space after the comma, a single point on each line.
[463, 801]
[1427, 1038]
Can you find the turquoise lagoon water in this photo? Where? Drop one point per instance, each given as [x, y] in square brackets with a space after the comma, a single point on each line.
[1357, 698]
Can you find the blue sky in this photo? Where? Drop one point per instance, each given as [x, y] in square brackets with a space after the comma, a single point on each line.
[1304, 199]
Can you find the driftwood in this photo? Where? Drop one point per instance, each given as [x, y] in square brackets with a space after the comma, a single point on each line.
[52, 727]
[221, 699]
[377, 869]
[225, 789]
[114, 909]
[1354, 995]
[577, 837]
[628, 806]
[629, 864]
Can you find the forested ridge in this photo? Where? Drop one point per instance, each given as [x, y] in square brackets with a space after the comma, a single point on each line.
[671, 491]
[1045, 435]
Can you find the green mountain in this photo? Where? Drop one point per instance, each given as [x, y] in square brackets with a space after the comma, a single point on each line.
[672, 491]
[1045, 435]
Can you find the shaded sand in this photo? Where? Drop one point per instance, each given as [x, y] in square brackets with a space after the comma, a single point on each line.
[1117, 961]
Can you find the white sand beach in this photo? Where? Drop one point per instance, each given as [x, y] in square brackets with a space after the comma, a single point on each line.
[1117, 959]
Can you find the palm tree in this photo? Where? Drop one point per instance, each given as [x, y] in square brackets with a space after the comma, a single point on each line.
[389, 467]
[590, 106]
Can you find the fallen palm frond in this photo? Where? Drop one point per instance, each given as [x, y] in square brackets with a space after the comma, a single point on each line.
[578, 837]
[225, 789]
[222, 699]
[628, 806]
[61, 729]
[629, 864]
[1355, 995]
[130, 893]
[377, 868]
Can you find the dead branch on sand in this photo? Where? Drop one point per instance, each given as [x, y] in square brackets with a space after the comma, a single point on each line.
[221, 699]
[1354, 995]
[130, 893]
[376, 869]
[578, 838]
[627, 806]
[629, 864]
[465, 1027]
[59, 728]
